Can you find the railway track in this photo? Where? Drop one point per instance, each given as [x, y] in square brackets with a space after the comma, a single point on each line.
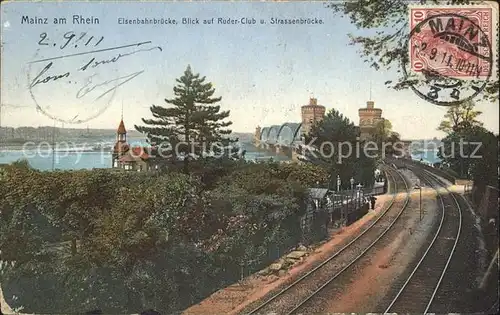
[302, 290]
[417, 291]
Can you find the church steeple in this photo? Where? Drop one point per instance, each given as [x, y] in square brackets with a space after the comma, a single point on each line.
[121, 133]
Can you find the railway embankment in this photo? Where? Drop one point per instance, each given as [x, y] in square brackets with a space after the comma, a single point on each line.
[364, 289]
[252, 293]
[475, 290]
[255, 288]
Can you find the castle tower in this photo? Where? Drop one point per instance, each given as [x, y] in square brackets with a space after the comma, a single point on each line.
[311, 114]
[369, 117]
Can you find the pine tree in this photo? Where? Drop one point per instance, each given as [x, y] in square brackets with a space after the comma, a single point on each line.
[193, 124]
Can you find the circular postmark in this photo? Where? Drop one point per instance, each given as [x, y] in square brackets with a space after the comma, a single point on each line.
[450, 57]
[74, 77]
[56, 87]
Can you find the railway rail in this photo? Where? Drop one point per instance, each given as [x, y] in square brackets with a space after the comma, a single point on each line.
[297, 294]
[418, 291]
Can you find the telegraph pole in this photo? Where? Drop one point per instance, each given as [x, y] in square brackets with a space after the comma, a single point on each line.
[419, 187]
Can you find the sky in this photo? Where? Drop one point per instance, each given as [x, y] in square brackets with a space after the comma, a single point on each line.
[264, 73]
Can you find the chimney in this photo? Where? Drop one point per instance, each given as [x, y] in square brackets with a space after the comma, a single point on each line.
[370, 104]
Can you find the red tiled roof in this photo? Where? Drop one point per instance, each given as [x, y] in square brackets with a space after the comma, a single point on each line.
[121, 128]
[140, 152]
[135, 154]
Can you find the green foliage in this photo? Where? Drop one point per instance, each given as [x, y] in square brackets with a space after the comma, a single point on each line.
[383, 130]
[336, 142]
[464, 134]
[388, 26]
[460, 118]
[460, 155]
[127, 241]
[386, 139]
[21, 163]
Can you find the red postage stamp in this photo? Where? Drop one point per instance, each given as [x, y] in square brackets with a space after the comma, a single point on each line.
[453, 42]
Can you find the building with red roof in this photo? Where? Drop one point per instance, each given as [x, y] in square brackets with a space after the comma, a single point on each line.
[126, 157]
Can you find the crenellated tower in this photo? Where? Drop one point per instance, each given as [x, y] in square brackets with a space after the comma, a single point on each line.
[311, 114]
[369, 117]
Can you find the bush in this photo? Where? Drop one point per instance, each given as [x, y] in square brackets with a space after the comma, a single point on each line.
[126, 241]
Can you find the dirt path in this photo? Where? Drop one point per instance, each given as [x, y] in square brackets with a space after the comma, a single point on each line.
[235, 298]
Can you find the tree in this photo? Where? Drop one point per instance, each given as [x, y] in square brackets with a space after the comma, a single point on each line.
[460, 155]
[143, 241]
[396, 147]
[461, 126]
[460, 118]
[334, 141]
[193, 124]
[383, 130]
[386, 139]
[387, 48]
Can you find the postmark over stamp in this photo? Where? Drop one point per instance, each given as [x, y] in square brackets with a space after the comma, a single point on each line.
[451, 49]
[454, 42]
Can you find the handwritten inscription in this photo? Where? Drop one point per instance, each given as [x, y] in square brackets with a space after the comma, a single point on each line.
[86, 80]
[44, 77]
[38, 79]
[114, 83]
[93, 63]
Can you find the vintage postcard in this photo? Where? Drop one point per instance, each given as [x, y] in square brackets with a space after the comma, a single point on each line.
[249, 157]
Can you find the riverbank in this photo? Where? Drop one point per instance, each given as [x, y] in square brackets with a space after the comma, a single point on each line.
[65, 158]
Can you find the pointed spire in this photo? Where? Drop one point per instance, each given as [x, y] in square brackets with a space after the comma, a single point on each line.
[121, 128]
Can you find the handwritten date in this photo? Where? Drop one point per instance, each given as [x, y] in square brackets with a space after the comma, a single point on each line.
[71, 39]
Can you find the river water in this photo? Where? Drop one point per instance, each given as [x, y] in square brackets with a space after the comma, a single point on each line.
[44, 159]
[74, 159]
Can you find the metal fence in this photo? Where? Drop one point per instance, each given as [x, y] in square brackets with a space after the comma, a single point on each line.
[379, 190]
[342, 207]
